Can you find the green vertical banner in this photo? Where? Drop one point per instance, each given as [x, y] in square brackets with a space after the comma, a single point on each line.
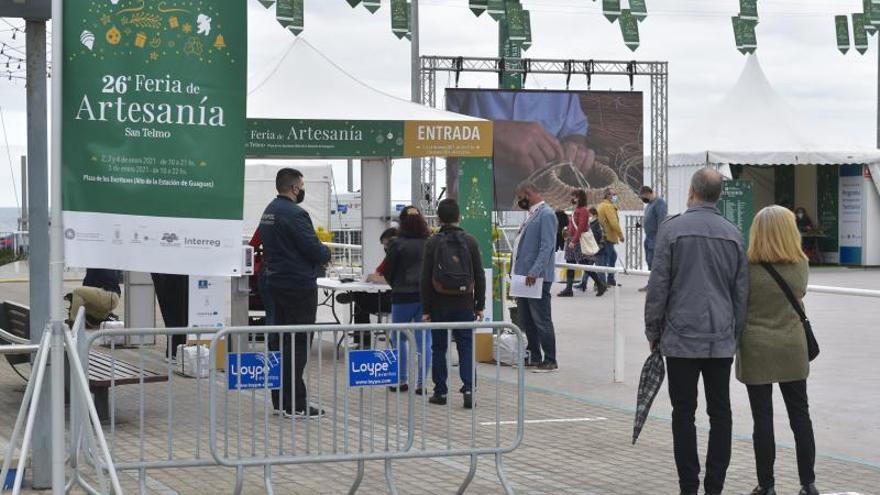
[372, 5]
[841, 22]
[527, 20]
[496, 9]
[478, 6]
[399, 18]
[611, 9]
[744, 34]
[475, 195]
[827, 195]
[509, 50]
[860, 36]
[748, 10]
[639, 9]
[516, 24]
[737, 205]
[153, 128]
[629, 27]
[286, 14]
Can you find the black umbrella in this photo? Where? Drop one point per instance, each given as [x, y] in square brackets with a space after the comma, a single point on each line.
[653, 373]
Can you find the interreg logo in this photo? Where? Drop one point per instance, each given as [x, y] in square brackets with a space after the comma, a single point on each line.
[372, 368]
[257, 370]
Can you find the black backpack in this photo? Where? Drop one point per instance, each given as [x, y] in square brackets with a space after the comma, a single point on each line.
[453, 269]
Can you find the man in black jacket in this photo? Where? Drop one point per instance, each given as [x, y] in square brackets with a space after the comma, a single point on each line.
[293, 257]
[99, 294]
[440, 306]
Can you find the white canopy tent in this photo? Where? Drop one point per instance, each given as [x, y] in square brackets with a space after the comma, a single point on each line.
[755, 127]
[316, 96]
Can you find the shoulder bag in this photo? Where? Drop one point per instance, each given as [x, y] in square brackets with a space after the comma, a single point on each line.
[812, 344]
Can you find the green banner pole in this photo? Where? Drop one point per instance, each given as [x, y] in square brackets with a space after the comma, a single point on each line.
[475, 196]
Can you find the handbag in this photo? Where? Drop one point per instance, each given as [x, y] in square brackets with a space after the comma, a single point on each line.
[589, 246]
[812, 344]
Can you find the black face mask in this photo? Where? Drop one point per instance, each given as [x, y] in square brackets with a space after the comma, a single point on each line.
[523, 203]
[574, 201]
[645, 200]
[301, 195]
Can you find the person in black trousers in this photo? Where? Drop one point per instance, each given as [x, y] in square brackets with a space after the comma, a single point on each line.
[172, 292]
[294, 256]
[773, 348]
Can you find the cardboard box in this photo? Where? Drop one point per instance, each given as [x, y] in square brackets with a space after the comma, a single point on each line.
[483, 343]
[220, 361]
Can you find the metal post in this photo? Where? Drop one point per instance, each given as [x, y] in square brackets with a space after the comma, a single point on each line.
[38, 213]
[56, 259]
[23, 221]
[618, 336]
[350, 175]
[416, 94]
[878, 92]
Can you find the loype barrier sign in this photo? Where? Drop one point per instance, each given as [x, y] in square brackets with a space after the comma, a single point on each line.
[372, 368]
[153, 126]
[253, 369]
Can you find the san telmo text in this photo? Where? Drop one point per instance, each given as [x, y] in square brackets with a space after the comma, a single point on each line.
[197, 113]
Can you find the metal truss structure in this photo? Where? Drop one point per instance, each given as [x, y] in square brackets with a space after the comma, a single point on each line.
[657, 71]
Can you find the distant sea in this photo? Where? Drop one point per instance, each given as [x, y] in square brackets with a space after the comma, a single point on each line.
[8, 219]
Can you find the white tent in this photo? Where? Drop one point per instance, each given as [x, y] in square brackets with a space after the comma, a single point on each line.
[753, 125]
[259, 189]
[304, 84]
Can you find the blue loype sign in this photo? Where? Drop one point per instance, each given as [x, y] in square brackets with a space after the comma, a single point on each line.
[372, 368]
[252, 371]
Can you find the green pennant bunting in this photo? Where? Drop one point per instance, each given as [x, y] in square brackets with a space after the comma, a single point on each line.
[409, 20]
[353, 3]
[478, 6]
[860, 36]
[399, 18]
[527, 20]
[639, 9]
[372, 5]
[842, 24]
[748, 10]
[744, 33]
[872, 15]
[269, 3]
[289, 13]
[495, 9]
[629, 26]
[516, 27]
[611, 9]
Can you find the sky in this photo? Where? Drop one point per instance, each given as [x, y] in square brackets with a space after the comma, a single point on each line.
[836, 94]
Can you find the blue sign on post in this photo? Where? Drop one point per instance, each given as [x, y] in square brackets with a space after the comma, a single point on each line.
[372, 368]
[253, 369]
[342, 208]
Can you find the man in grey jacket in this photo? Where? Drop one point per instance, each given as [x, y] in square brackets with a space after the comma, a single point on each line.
[695, 312]
[534, 258]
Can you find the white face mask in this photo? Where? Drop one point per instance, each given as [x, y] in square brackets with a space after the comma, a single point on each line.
[800, 216]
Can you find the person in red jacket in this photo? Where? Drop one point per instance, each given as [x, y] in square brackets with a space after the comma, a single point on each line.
[578, 223]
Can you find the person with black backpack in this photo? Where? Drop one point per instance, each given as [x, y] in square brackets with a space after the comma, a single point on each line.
[453, 289]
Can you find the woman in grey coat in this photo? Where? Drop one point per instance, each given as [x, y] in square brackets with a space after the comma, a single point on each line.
[773, 347]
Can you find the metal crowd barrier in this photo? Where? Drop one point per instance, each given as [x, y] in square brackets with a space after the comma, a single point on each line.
[211, 421]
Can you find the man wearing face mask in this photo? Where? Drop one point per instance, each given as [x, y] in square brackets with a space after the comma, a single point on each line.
[613, 234]
[293, 256]
[655, 213]
[533, 257]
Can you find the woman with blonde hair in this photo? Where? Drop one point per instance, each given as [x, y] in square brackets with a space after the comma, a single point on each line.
[773, 347]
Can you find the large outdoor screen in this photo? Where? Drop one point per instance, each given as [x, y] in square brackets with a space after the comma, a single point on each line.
[559, 140]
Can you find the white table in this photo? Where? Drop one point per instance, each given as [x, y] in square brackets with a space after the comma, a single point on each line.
[335, 285]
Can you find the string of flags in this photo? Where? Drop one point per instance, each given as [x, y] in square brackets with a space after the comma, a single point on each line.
[628, 19]
[744, 25]
[864, 24]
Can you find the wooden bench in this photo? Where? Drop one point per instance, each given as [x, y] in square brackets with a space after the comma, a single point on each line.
[104, 370]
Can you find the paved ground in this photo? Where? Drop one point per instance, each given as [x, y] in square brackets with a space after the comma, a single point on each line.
[577, 439]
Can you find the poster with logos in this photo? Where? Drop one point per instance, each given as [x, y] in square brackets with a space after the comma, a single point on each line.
[207, 303]
[850, 226]
[153, 127]
[558, 140]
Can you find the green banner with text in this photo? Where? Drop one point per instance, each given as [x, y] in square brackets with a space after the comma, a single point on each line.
[153, 122]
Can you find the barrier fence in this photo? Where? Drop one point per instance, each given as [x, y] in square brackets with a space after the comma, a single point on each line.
[212, 420]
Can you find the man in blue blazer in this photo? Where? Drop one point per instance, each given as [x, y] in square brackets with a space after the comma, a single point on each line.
[534, 257]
